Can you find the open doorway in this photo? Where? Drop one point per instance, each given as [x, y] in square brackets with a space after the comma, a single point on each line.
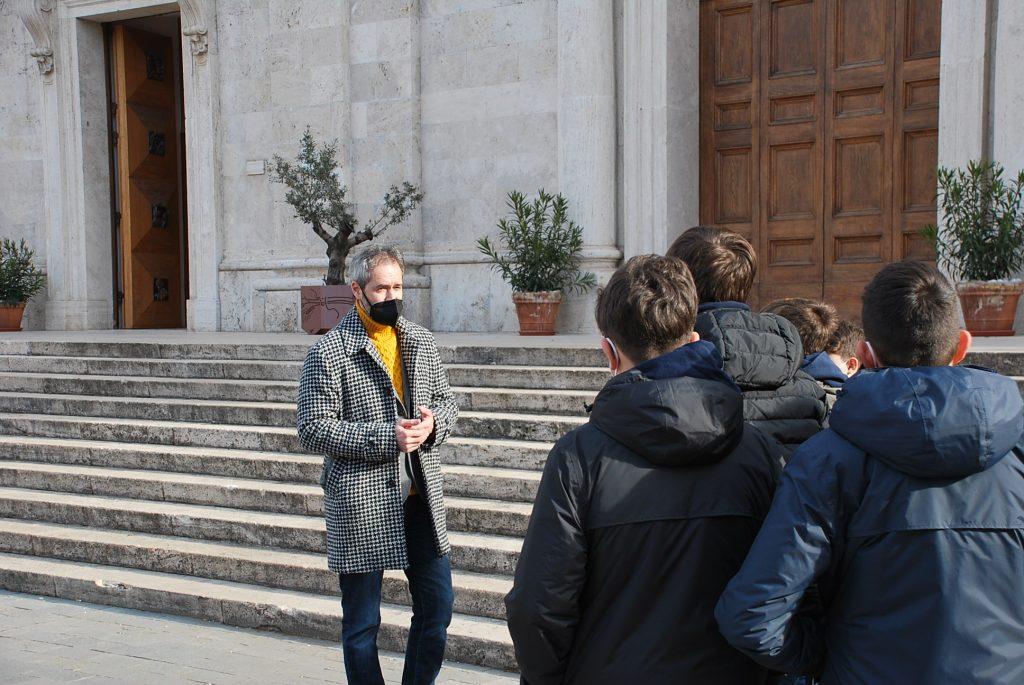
[147, 165]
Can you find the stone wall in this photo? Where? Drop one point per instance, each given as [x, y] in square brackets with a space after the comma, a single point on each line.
[21, 152]
[490, 125]
[283, 66]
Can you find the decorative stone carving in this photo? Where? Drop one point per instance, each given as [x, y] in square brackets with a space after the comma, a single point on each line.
[37, 15]
[195, 14]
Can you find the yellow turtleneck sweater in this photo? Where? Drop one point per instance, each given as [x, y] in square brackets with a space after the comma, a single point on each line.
[385, 339]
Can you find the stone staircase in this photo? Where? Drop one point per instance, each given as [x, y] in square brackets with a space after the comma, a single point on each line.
[168, 477]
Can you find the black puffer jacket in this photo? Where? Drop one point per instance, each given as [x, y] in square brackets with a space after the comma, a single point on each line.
[642, 517]
[763, 354]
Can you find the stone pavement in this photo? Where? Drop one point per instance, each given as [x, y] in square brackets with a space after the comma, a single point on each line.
[45, 640]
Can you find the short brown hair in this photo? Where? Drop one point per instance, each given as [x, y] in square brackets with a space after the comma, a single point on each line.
[816, 322]
[723, 263]
[844, 342]
[911, 315]
[648, 307]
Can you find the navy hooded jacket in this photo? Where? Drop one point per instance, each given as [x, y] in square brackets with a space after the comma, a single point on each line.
[642, 516]
[908, 513]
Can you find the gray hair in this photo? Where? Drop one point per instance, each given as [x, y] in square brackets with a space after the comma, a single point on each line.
[369, 258]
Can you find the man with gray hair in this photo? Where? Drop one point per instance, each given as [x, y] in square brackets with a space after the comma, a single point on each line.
[375, 401]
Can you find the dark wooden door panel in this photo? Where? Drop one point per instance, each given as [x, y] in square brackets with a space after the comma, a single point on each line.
[790, 135]
[819, 130]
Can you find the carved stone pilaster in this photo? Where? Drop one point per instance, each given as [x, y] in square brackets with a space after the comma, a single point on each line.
[37, 15]
[195, 20]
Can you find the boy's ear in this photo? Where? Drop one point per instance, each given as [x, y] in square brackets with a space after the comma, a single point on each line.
[963, 346]
[609, 355]
[852, 366]
[866, 355]
[694, 336]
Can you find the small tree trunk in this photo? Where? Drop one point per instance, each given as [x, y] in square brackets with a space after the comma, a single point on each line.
[335, 264]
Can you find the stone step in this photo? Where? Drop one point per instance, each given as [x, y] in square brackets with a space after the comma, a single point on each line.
[151, 435]
[520, 354]
[528, 400]
[471, 639]
[477, 552]
[468, 375]
[476, 594]
[551, 401]
[222, 369]
[151, 387]
[534, 377]
[465, 514]
[517, 426]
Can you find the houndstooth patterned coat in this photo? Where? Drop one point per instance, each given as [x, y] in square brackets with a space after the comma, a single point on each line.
[347, 408]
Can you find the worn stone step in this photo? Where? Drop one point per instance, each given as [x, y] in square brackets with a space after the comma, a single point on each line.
[461, 350]
[277, 466]
[517, 426]
[513, 485]
[225, 369]
[471, 639]
[470, 551]
[547, 401]
[476, 594]
[135, 430]
[522, 354]
[516, 454]
[534, 377]
[467, 514]
[135, 349]
[150, 387]
[279, 392]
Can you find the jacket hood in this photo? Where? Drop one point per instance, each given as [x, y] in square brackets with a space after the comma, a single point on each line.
[759, 351]
[679, 409]
[821, 368]
[931, 422]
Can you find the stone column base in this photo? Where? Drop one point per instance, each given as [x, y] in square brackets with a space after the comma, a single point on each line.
[79, 315]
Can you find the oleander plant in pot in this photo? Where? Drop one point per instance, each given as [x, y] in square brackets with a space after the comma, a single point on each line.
[20, 280]
[539, 256]
[981, 242]
[317, 195]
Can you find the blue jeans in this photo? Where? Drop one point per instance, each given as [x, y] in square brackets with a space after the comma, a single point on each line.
[430, 583]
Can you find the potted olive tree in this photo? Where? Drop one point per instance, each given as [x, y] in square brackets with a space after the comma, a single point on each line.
[981, 243]
[20, 280]
[540, 258]
[318, 197]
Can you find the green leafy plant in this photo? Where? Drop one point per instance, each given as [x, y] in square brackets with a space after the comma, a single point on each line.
[318, 197]
[19, 278]
[541, 246]
[983, 234]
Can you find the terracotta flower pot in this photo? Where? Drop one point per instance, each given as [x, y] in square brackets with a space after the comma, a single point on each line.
[989, 306]
[324, 305]
[537, 311]
[10, 317]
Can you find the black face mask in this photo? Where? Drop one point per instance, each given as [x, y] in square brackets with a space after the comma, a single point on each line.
[385, 313]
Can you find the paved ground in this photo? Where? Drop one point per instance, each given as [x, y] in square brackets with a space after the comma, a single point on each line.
[46, 640]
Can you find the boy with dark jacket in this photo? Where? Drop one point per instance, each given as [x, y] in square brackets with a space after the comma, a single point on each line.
[830, 343]
[762, 352]
[907, 513]
[644, 513]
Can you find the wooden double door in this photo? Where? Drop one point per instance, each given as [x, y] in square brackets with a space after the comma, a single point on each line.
[819, 137]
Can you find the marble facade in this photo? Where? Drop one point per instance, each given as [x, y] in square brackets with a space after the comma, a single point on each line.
[597, 99]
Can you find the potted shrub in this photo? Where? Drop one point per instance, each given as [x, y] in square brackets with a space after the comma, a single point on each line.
[540, 258]
[19, 281]
[318, 197]
[981, 244]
